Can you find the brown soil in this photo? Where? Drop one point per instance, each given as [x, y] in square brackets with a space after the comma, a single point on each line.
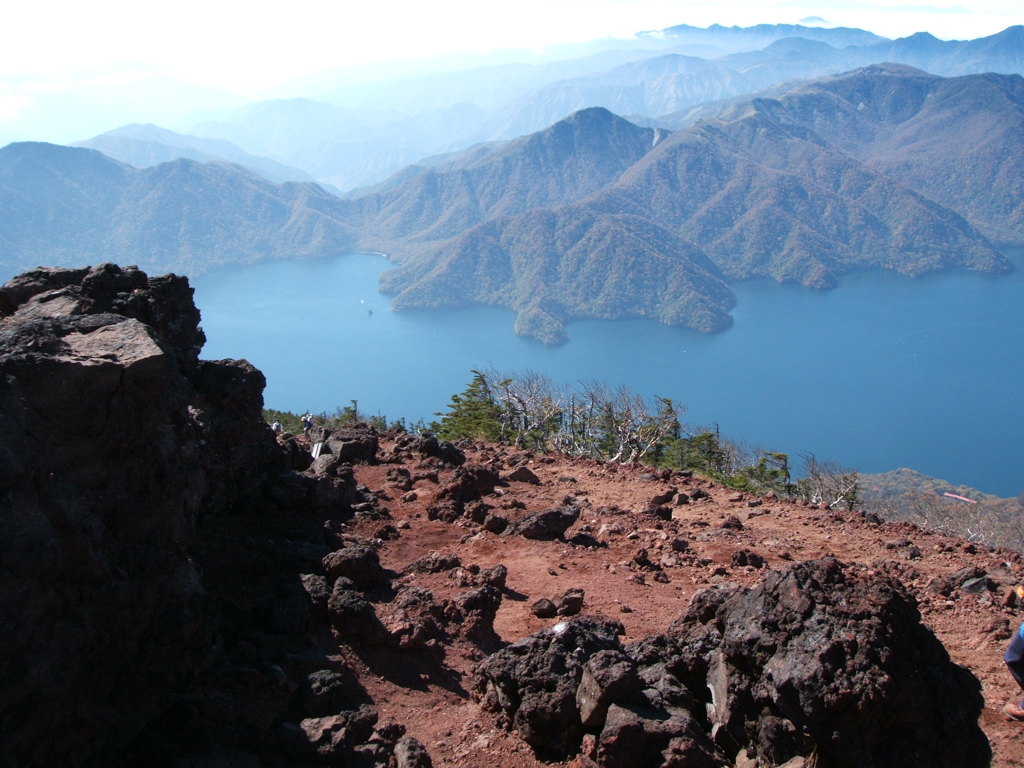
[431, 699]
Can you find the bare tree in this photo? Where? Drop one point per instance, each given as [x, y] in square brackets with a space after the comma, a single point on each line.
[615, 425]
[828, 483]
[531, 407]
[949, 516]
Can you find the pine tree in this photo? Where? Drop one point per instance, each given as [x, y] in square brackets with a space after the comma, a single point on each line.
[473, 413]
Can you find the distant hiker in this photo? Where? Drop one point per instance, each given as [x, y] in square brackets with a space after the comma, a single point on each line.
[1014, 658]
[276, 426]
[307, 423]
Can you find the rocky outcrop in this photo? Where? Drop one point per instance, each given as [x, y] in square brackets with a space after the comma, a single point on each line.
[119, 446]
[820, 659]
[114, 438]
[532, 683]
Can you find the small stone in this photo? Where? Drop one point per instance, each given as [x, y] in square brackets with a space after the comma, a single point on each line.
[544, 609]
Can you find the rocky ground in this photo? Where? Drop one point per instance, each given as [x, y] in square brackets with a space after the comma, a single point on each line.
[643, 544]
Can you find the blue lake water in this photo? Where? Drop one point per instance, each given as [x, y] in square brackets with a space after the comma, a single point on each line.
[883, 372]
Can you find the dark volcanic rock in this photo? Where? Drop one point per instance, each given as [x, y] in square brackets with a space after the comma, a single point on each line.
[352, 444]
[117, 441]
[607, 676]
[428, 445]
[359, 562]
[469, 482]
[410, 753]
[523, 474]
[546, 525]
[433, 562]
[842, 664]
[533, 682]
[544, 609]
[332, 738]
[817, 659]
[478, 608]
[635, 735]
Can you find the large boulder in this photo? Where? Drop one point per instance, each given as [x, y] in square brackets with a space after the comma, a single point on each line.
[117, 442]
[532, 683]
[469, 482]
[824, 658]
[546, 525]
[821, 659]
[353, 444]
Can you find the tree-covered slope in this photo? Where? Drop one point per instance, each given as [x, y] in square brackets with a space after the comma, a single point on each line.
[561, 164]
[791, 188]
[554, 266]
[69, 206]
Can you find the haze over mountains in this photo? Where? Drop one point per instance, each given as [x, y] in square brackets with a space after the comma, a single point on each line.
[349, 136]
[886, 167]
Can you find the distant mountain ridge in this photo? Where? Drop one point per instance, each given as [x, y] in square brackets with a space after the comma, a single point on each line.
[68, 206]
[357, 136]
[884, 167]
[147, 145]
[756, 192]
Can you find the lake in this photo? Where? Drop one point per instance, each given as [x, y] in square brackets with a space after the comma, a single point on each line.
[883, 372]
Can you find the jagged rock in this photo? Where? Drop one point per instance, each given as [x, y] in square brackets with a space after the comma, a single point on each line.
[324, 692]
[845, 660]
[117, 440]
[496, 576]
[428, 445]
[352, 444]
[298, 456]
[817, 658]
[547, 525]
[478, 609]
[744, 557]
[414, 619]
[732, 523]
[495, 522]
[358, 562]
[477, 511]
[570, 603]
[663, 498]
[523, 474]
[433, 562]
[533, 682]
[978, 585]
[447, 511]
[469, 482]
[607, 676]
[410, 753]
[544, 608]
[351, 613]
[333, 488]
[636, 735]
[318, 591]
[331, 738]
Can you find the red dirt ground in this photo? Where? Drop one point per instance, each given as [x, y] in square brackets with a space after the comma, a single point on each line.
[432, 702]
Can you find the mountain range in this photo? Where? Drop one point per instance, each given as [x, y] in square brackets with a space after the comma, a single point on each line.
[885, 167]
[774, 187]
[68, 205]
[357, 135]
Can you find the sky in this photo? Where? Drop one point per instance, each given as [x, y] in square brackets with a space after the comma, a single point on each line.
[250, 48]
